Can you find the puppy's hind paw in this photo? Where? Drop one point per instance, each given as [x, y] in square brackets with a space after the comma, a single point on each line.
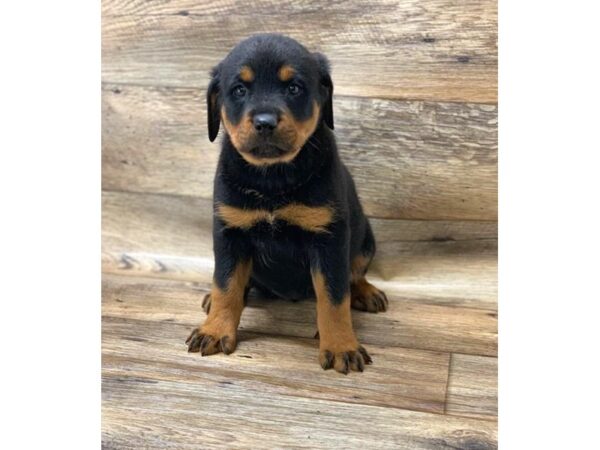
[366, 297]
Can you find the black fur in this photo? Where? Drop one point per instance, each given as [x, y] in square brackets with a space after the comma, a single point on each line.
[284, 255]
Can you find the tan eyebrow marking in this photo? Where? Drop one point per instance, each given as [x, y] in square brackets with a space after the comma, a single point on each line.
[246, 74]
[286, 72]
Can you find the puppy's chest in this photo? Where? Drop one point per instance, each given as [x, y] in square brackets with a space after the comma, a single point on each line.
[308, 218]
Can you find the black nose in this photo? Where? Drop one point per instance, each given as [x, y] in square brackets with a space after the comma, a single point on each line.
[265, 123]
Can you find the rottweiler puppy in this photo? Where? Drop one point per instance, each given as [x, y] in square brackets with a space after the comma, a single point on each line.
[287, 219]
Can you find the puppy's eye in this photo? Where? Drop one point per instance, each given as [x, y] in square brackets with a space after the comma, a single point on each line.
[239, 91]
[294, 89]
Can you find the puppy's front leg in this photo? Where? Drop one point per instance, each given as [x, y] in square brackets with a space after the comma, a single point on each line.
[338, 347]
[233, 267]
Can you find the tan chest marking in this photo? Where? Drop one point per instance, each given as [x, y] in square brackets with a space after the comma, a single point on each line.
[310, 218]
[242, 218]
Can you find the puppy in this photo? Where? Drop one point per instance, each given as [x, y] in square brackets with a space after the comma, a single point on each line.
[287, 219]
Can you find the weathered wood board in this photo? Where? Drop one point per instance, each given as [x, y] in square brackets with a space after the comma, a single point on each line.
[430, 50]
[140, 412]
[410, 160]
[170, 237]
[401, 378]
[416, 123]
[473, 387]
[408, 323]
[156, 395]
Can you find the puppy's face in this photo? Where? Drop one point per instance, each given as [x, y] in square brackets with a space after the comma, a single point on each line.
[270, 93]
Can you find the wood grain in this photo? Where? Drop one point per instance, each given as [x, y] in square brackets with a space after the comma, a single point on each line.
[270, 365]
[429, 50]
[410, 160]
[140, 412]
[171, 237]
[473, 387]
[416, 122]
[408, 323]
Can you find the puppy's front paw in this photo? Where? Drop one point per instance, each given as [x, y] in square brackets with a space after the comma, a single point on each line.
[366, 297]
[209, 342]
[345, 360]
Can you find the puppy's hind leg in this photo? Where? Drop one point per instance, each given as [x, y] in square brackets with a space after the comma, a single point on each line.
[363, 295]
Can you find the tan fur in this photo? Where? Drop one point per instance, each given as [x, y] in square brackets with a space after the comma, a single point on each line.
[363, 295]
[334, 321]
[300, 131]
[286, 72]
[362, 288]
[359, 267]
[246, 74]
[336, 335]
[242, 218]
[295, 132]
[239, 133]
[286, 157]
[225, 312]
[310, 218]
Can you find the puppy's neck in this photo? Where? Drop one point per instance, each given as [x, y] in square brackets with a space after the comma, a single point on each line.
[281, 178]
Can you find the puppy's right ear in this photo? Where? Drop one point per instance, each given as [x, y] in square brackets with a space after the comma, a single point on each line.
[212, 104]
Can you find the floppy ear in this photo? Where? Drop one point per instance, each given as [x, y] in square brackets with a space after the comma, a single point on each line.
[212, 104]
[326, 88]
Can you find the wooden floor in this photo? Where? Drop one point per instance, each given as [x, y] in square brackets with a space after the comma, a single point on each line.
[432, 384]
[415, 109]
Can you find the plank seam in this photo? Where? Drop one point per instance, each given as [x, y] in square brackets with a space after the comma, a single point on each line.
[447, 385]
[283, 394]
[395, 99]
[195, 324]
[187, 196]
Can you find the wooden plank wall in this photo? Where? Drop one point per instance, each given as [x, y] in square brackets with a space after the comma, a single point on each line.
[416, 121]
[415, 104]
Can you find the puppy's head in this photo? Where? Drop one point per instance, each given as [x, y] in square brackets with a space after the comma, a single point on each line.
[270, 93]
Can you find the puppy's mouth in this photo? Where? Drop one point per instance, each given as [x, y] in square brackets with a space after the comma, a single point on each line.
[267, 150]
[264, 152]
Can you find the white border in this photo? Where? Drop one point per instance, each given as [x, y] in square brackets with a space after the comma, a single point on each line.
[50, 216]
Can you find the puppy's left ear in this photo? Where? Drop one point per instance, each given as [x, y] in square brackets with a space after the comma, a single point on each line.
[212, 104]
[326, 88]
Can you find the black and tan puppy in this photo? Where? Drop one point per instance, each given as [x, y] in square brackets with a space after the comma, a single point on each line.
[287, 219]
